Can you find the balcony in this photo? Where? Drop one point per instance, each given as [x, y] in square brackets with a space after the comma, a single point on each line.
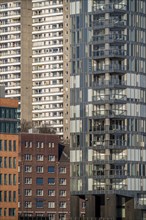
[113, 173]
[103, 8]
[115, 98]
[109, 23]
[105, 84]
[112, 38]
[110, 69]
[113, 113]
[116, 53]
[117, 143]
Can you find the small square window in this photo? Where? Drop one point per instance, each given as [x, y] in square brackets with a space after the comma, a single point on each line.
[51, 181]
[51, 192]
[51, 169]
[51, 158]
[39, 181]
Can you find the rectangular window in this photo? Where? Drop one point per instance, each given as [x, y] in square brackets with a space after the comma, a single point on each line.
[39, 192]
[5, 162]
[28, 180]
[28, 192]
[12, 212]
[28, 204]
[10, 145]
[62, 205]
[28, 169]
[62, 181]
[62, 216]
[14, 162]
[39, 181]
[5, 179]
[0, 196]
[51, 158]
[39, 169]
[51, 181]
[14, 196]
[0, 211]
[51, 216]
[10, 162]
[14, 179]
[10, 196]
[51, 192]
[1, 162]
[28, 157]
[51, 205]
[51, 169]
[62, 170]
[5, 196]
[62, 193]
[10, 179]
[14, 146]
[0, 145]
[0, 179]
[5, 145]
[39, 204]
[40, 157]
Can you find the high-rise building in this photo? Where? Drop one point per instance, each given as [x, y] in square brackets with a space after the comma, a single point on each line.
[16, 52]
[108, 113]
[34, 63]
[8, 159]
[44, 177]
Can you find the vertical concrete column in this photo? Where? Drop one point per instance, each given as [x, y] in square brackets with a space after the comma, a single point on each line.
[75, 208]
[130, 212]
[110, 207]
[90, 207]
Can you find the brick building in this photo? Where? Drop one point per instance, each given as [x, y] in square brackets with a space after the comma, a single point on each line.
[8, 160]
[43, 178]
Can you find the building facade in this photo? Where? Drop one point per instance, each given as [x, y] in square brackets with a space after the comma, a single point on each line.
[8, 159]
[34, 64]
[15, 53]
[108, 120]
[44, 180]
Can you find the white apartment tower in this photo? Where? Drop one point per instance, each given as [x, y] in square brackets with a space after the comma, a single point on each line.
[15, 50]
[34, 60]
[47, 22]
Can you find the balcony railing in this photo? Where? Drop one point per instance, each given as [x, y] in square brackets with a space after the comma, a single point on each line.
[109, 38]
[106, 83]
[109, 23]
[109, 53]
[110, 113]
[102, 8]
[110, 98]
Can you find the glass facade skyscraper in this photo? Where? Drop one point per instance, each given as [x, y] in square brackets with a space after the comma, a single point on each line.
[108, 111]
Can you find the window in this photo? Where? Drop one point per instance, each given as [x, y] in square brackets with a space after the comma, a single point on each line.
[5, 179]
[51, 158]
[5, 162]
[1, 162]
[14, 146]
[14, 196]
[39, 204]
[62, 170]
[62, 204]
[14, 162]
[10, 179]
[39, 192]
[0, 145]
[28, 204]
[28, 180]
[0, 211]
[0, 196]
[14, 179]
[28, 157]
[10, 145]
[51, 216]
[62, 216]
[51, 181]
[28, 192]
[5, 211]
[10, 196]
[12, 211]
[28, 169]
[51, 169]
[0, 179]
[51, 192]
[10, 162]
[5, 145]
[39, 169]
[40, 157]
[62, 181]
[39, 181]
[51, 205]
[51, 145]
[5, 196]
[62, 193]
